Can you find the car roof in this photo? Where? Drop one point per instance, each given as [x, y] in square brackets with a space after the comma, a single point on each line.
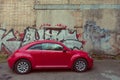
[44, 41]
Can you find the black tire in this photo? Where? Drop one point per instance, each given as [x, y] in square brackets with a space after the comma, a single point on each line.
[80, 65]
[22, 66]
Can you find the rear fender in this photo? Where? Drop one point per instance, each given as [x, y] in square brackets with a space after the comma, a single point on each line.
[27, 57]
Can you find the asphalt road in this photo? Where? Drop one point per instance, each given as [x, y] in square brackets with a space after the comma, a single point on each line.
[102, 70]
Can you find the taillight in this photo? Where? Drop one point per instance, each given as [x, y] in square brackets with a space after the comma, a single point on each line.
[13, 54]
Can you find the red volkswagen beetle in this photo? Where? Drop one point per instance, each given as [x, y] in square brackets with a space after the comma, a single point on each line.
[48, 54]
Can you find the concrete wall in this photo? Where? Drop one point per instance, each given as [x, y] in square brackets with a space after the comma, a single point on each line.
[96, 24]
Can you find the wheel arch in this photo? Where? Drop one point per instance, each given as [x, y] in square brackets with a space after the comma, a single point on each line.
[24, 58]
[74, 58]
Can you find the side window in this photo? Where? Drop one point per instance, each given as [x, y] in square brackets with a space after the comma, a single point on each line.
[57, 47]
[46, 46]
[51, 46]
[36, 47]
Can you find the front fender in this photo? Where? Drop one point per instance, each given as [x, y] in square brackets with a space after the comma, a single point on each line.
[74, 57]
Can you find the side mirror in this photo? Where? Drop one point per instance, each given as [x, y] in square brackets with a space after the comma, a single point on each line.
[64, 51]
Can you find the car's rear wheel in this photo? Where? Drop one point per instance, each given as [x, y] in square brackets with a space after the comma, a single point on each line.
[22, 66]
[80, 65]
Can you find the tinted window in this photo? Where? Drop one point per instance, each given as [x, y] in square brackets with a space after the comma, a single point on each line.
[36, 47]
[51, 46]
[46, 46]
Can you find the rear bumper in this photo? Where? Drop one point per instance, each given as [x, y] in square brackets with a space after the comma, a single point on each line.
[10, 62]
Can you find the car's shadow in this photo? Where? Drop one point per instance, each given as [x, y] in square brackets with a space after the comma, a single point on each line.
[58, 70]
[52, 70]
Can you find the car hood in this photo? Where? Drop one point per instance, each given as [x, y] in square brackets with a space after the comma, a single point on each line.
[79, 52]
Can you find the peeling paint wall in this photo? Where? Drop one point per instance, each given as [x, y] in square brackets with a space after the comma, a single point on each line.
[99, 37]
[105, 20]
[92, 23]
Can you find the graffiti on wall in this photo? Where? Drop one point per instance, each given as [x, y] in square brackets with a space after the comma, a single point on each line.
[14, 40]
[99, 37]
[29, 35]
[63, 35]
[8, 40]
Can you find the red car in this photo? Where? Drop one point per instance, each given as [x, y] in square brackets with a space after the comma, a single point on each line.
[48, 54]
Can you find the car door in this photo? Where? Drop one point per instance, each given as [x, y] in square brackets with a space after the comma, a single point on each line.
[36, 52]
[54, 55]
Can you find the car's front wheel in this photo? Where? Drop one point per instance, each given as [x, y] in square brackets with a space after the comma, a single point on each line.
[80, 65]
[22, 66]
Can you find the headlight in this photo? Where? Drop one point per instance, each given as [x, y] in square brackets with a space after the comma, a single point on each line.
[89, 55]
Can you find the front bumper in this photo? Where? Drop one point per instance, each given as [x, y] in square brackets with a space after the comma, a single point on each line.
[90, 63]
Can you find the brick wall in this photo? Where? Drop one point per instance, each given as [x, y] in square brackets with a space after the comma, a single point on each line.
[17, 14]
